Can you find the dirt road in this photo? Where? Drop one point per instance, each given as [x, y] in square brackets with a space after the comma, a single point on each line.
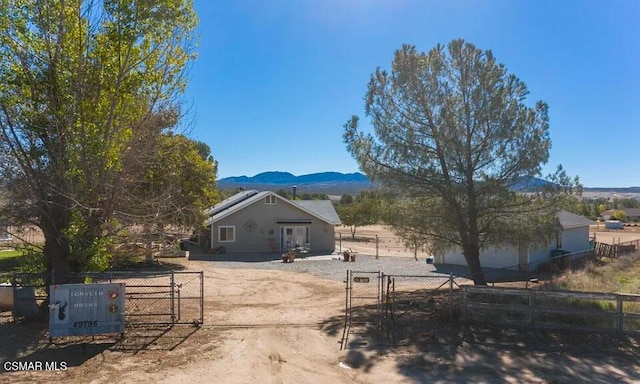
[260, 326]
[265, 326]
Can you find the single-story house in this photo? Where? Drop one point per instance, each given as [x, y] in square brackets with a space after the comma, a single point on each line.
[633, 214]
[256, 222]
[574, 237]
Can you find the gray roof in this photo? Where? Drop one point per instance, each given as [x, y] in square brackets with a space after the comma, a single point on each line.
[229, 202]
[570, 220]
[632, 211]
[627, 211]
[239, 203]
[322, 208]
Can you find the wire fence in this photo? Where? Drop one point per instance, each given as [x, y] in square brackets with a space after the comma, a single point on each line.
[397, 307]
[414, 304]
[378, 245]
[151, 298]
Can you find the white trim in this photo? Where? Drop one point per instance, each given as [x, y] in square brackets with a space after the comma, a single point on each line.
[233, 239]
[281, 235]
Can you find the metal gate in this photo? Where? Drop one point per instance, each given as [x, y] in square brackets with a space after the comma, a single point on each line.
[416, 304]
[151, 298]
[395, 306]
[363, 303]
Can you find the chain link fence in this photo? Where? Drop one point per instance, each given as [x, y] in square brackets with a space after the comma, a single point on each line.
[414, 305]
[151, 298]
[398, 307]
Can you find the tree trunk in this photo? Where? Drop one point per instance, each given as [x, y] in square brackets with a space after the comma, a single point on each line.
[55, 252]
[472, 256]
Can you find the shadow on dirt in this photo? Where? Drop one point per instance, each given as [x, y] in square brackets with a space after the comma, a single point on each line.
[28, 341]
[426, 344]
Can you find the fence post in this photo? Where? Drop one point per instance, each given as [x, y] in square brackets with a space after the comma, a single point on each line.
[530, 312]
[201, 297]
[172, 296]
[347, 295]
[379, 305]
[14, 286]
[376, 246]
[450, 296]
[340, 242]
[347, 320]
[619, 315]
[465, 303]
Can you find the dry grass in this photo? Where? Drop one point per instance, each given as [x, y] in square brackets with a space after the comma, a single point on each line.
[608, 275]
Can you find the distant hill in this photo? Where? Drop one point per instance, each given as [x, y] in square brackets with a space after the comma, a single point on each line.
[324, 182]
[352, 183]
[529, 184]
[613, 190]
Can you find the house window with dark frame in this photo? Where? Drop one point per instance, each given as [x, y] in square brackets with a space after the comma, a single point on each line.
[271, 199]
[226, 233]
[558, 240]
[4, 232]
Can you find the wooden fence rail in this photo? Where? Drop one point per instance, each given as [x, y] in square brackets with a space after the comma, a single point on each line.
[615, 250]
[534, 308]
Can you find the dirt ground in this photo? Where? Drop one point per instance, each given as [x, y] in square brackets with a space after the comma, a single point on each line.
[264, 326]
[365, 242]
[390, 245]
[612, 236]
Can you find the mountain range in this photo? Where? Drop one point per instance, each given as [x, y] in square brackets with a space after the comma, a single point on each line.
[346, 183]
[323, 182]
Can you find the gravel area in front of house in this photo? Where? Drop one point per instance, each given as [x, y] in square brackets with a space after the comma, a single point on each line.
[332, 267]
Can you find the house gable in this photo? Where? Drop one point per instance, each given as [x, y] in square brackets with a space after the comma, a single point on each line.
[317, 211]
[266, 222]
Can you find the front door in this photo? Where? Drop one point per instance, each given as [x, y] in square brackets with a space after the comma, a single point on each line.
[294, 236]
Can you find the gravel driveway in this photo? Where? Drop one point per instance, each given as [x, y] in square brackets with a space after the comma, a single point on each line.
[333, 268]
[330, 267]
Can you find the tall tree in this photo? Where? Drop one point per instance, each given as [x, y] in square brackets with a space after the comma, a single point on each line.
[86, 89]
[364, 210]
[453, 135]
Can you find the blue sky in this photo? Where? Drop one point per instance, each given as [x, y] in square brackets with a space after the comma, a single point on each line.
[275, 81]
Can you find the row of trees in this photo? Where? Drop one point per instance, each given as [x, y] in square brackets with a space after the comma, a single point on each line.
[594, 208]
[89, 123]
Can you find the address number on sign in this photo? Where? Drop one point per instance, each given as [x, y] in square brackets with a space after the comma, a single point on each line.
[360, 279]
[85, 324]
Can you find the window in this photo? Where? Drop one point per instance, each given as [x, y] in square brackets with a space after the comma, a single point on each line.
[4, 234]
[226, 234]
[271, 199]
[558, 240]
